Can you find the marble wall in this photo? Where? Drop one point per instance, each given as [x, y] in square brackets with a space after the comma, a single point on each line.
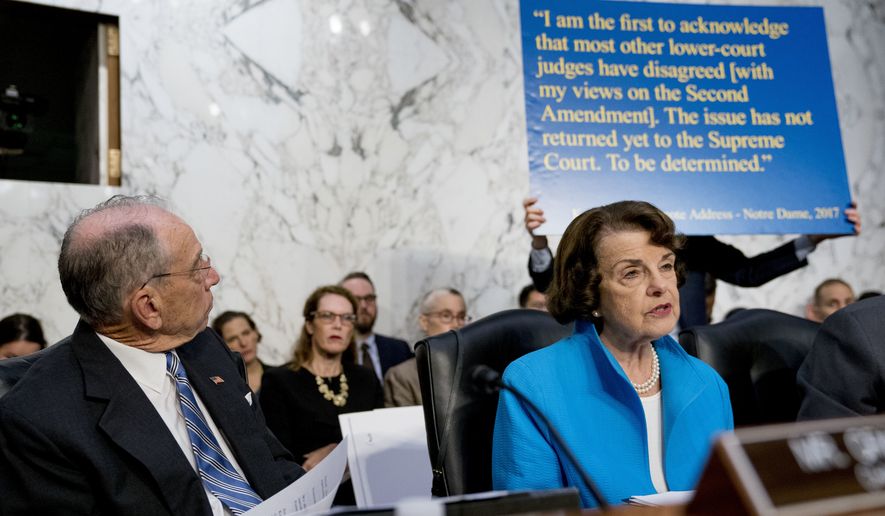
[306, 138]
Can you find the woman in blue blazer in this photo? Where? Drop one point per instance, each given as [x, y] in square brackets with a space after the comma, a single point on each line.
[639, 413]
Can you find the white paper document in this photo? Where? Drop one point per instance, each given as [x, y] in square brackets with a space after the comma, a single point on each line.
[387, 455]
[659, 499]
[311, 493]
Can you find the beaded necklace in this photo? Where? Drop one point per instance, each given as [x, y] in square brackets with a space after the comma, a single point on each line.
[340, 399]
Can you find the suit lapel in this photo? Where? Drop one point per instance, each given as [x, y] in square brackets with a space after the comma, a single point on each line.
[383, 357]
[132, 423]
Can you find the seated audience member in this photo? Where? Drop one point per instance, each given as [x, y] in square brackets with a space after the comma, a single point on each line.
[844, 373]
[241, 335]
[302, 400]
[441, 310]
[830, 296]
[734, 311]
[868, 294]
[378, 352]
[637, 410]
[143, 409]
[20, 334]
[701, 255]
[529, 297]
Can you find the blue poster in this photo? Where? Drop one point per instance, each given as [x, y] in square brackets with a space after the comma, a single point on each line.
[722, 116]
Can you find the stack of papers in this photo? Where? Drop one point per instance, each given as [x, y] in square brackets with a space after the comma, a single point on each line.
[659, 499]
[388, 456]
[311, 493]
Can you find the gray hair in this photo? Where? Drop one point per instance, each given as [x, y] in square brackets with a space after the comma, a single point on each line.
[98, 272]
[429, 298]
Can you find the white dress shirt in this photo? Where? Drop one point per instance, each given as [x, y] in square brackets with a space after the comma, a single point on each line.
[651, 405]
[149, 372]
[540, 259]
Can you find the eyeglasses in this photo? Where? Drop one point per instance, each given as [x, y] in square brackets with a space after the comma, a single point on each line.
[205, 264]
[448, 317]
[369, 299]
[329, 317]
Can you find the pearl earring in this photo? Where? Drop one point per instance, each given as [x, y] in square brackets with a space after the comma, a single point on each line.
[596, 314]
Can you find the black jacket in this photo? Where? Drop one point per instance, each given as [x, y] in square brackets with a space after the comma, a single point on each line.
[78, 435]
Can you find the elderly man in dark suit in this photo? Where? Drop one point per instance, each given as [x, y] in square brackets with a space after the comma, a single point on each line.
[844, 373]
[377, 352]
[142, 410]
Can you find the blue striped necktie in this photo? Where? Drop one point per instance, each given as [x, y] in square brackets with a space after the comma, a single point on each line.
[218, 474]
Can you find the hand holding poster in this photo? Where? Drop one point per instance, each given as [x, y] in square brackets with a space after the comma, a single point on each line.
[722, 116]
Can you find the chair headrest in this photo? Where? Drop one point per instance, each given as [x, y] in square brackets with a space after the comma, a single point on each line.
[460, 420]
[748, 331]
[757, 352]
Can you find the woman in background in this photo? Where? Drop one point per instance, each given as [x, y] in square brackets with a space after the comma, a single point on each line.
[639, 413]
[241, 335]
[302, 400]
[20, 334]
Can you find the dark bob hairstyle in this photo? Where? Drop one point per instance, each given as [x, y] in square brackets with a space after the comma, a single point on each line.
[574, 291]
[229, 316]
[21, 327]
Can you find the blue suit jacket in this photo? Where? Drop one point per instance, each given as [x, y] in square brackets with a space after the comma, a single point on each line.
[391, 352]
[582, 389]
[78, 435]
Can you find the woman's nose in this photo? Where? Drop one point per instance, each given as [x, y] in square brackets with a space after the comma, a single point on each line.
[657, 284]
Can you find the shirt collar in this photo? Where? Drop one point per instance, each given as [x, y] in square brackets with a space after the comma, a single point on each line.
[146, 368]
[370, 340]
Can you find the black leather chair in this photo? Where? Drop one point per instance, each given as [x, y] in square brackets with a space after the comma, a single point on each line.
[460, 420]
[757, 352]
[13, 369]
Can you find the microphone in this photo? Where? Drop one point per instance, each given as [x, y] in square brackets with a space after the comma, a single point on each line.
[487, 381]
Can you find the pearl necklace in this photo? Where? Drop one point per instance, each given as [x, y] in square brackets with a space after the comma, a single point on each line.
[340, 399]
[642, 388]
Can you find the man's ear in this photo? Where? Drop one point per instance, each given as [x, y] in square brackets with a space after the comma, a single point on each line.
[145, 305]
[423, 322]
[811, 312]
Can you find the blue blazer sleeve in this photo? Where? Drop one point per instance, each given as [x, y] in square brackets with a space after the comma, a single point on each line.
[522, 456]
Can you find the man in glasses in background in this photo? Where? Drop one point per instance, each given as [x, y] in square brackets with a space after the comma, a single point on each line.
[441, 310]
[142, 410]
[375, 351]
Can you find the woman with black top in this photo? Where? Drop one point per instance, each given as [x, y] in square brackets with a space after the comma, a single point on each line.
[302, 400]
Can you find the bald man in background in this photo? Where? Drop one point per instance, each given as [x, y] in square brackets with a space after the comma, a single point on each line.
[441, 310]
[829, 297]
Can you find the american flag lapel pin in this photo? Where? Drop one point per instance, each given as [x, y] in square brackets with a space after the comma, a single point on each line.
[216, 379]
